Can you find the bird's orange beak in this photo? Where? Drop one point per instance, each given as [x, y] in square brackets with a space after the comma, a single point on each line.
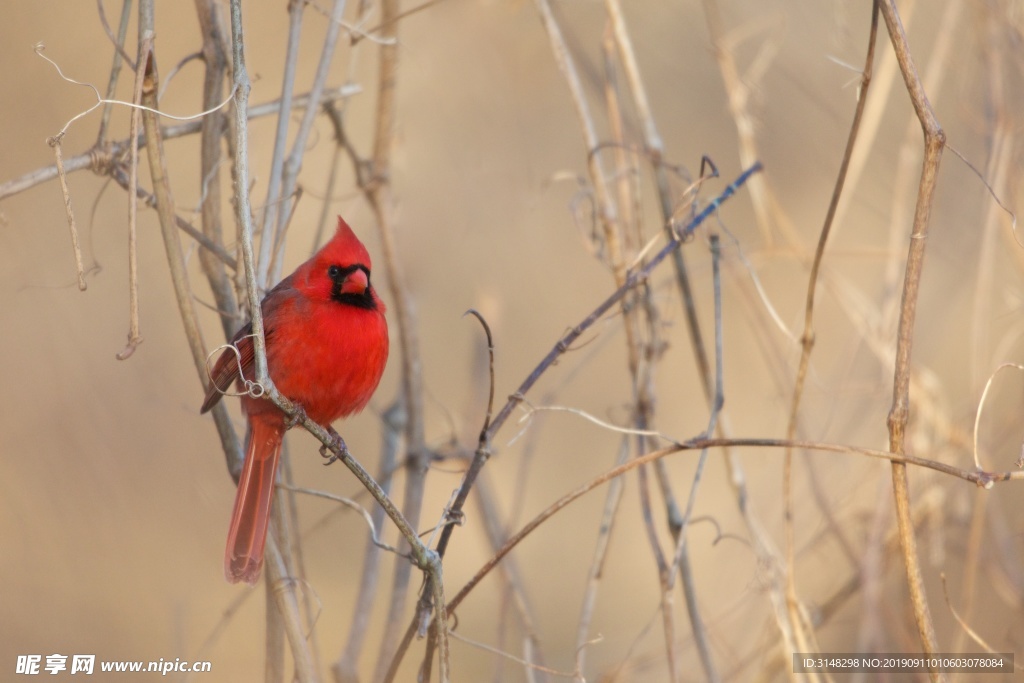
[356, 283]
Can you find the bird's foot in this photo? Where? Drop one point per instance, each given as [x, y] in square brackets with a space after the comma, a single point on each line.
[339, 444]
[297, 417]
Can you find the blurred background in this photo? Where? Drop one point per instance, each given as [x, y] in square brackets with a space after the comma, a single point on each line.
[114, 494]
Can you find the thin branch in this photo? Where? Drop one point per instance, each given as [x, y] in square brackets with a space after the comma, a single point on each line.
[967, 628]
[490, 355]
[121, 177]
[116, 41]
[102, 157]
[531, 668]
[739, 95]
[293, 164]
[282, 588]
[102, 100]
[934, 140]
[609, 513]
[295, 10]
[276, 570]
[134, 338]
[483, 452]
[55, 142]
[120, 56]
[983, 480]
[165, 205]
[681, 560]
[377, 190]
[375, 537]
[346, 668]
[808, 336]
[391, 21]
[211, 22]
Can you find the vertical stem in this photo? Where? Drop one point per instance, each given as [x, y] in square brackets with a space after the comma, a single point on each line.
[346, 668]
[293, 164]
[284, 587]
[133, 204]
[295, 9]
[243, 210]
[934, 142]
[681, 560]
[115, 68]
[807, 339]
[55, 142]
[212, 25]
[378, 192]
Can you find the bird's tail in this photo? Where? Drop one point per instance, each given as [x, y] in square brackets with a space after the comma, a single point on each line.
[250, 519]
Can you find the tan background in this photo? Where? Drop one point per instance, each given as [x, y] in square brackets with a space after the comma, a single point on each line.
[113, 493]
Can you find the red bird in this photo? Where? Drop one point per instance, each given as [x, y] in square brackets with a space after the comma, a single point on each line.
[327, 344]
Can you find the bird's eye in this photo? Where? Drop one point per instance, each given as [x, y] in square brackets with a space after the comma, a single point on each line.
[333, 272]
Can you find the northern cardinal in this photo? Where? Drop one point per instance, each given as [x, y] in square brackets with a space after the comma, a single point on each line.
[327, 344]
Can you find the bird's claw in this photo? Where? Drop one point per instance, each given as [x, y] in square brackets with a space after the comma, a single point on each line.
[339, 444]
[296, 417]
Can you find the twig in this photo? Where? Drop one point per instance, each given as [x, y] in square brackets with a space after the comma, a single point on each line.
[326, 205]
[934, 140]
[512, 579]
[981, 404]
[531, 409]
[243, 210]
[681, 559]
[345, 669]
[808, 336]
[285, 511]
[102, 101]
[182, 63]
[767, 554]
[121, 177]
[275, 632]
[295, 10]
[483, 452]
[164, 200]
[276, 570]
[497, 532]
[655, 151]
[377, 190]
[640, 355]
[609, 512]
[874, 114]
[282, 588]
[1001, 157]
[55, 142]
[982, 479]
[490, 355]
[119, 56]
[213, 30]
[134, 338]
[293, 164]
[967, 628]
[375, 537]
[739, 94]
[99, 157]
[531, 668]
[386, 23]
[116, 41]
